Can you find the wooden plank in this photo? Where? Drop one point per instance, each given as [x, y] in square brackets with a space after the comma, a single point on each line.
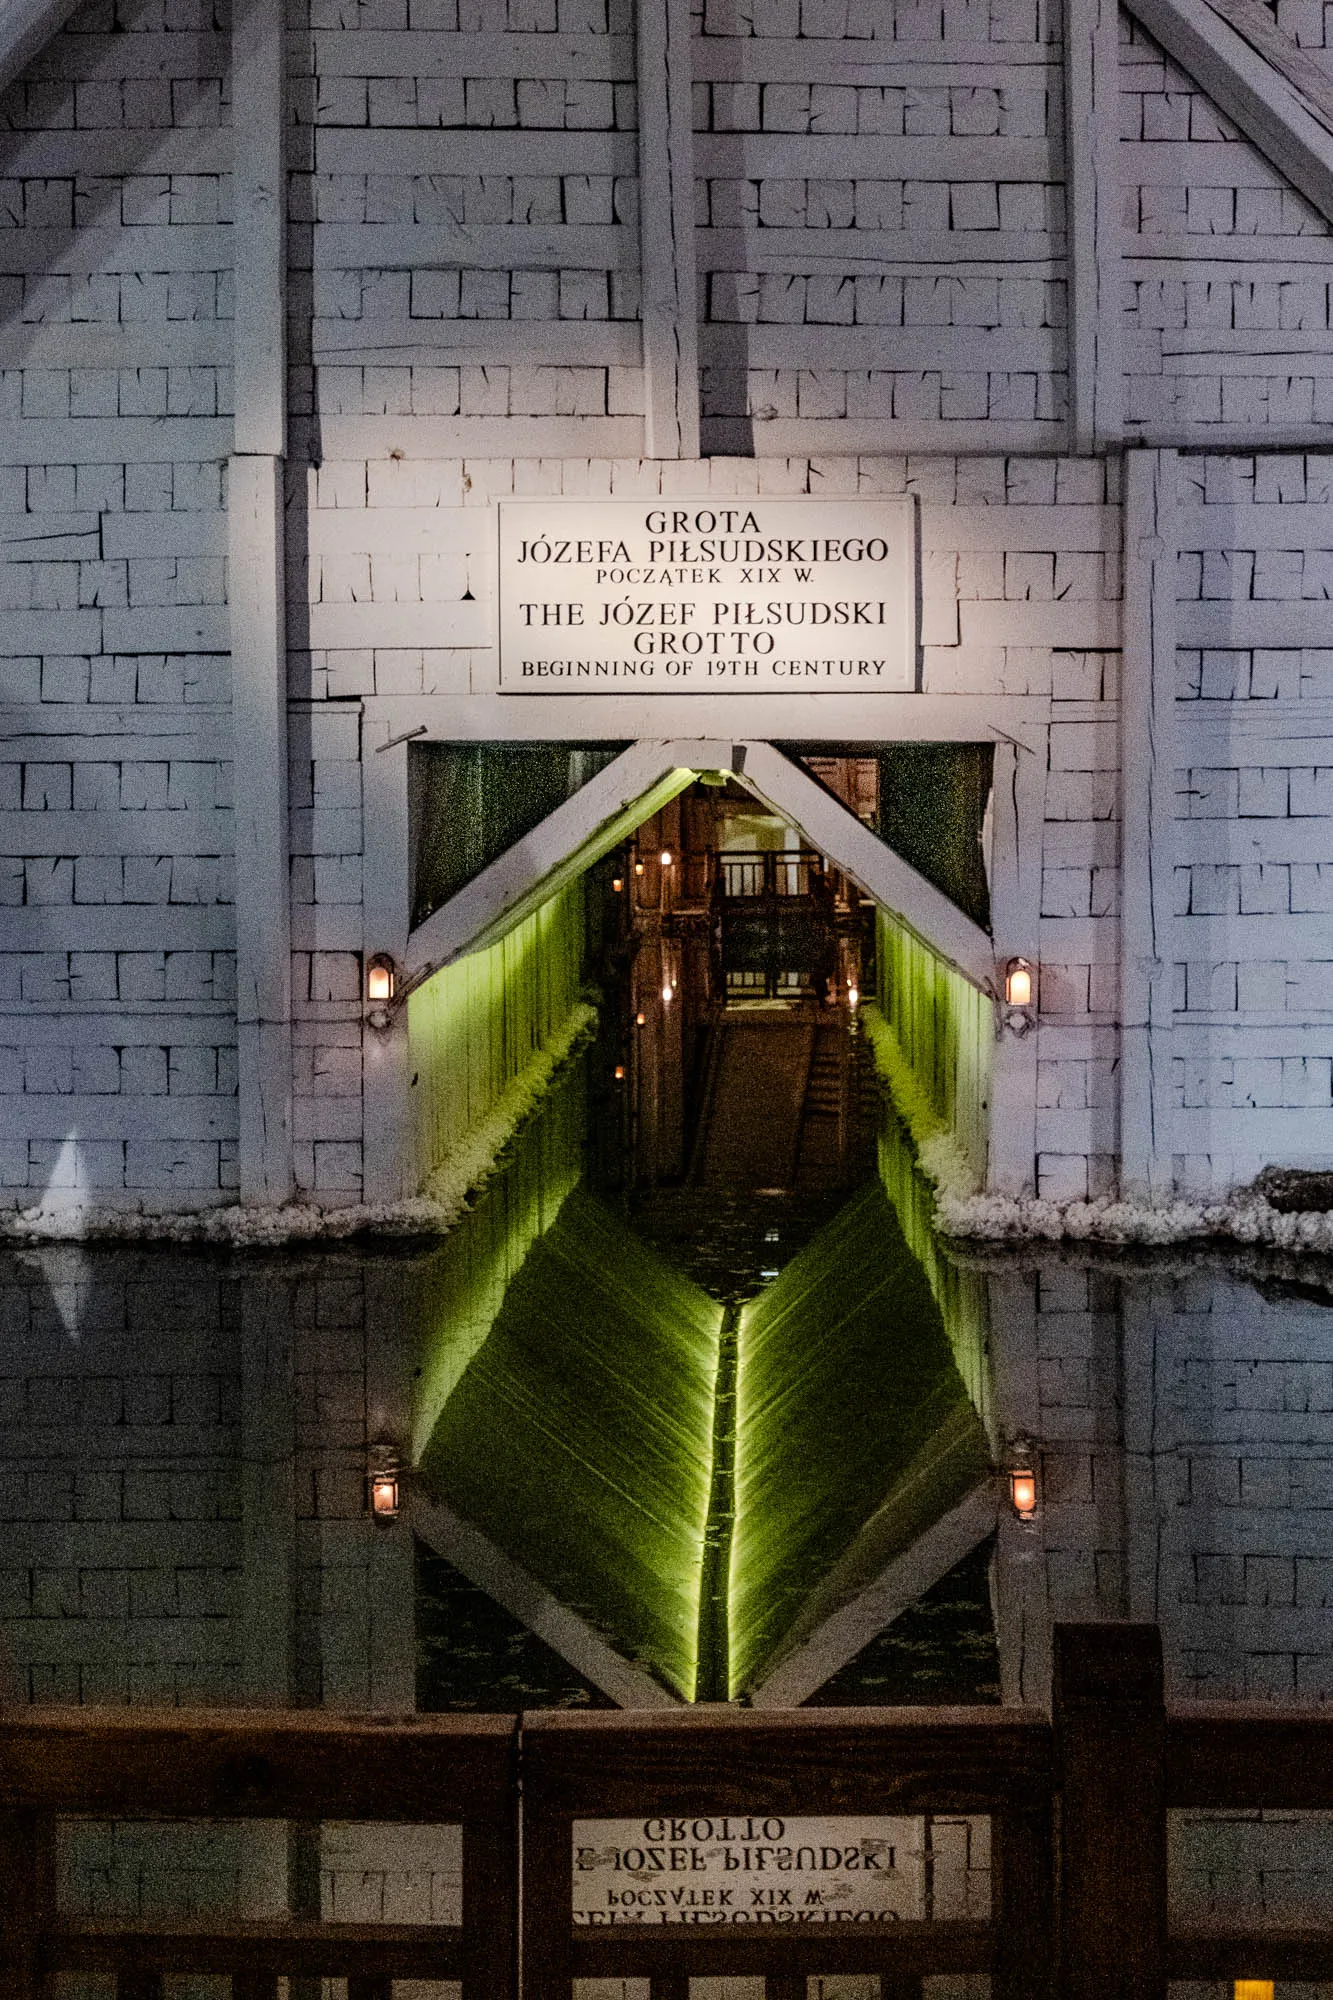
[195, 343]
[58, 153]
[91, 833]
[670, 311]
[296, 1949]
[451, 343]
[895, 350]
[112, 441]
[353, 438]
[233, 1762]
[1092, 138]
[1018, 815]
[801, 437]
[1245, 622]
[1178, 163]
[876, 61]
[811, 1761]
[1239, 1955]
[381, 150]
[818, 252]
[1147, 814]
[432, 53]
[447, 246]
[263, 926]
[1110, 1734]
[847, 156]
[1286, 121]
[259, 191]
[133, 247]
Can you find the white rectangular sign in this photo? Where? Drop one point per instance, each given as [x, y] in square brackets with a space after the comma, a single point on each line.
[707, 596]
[748, 1869]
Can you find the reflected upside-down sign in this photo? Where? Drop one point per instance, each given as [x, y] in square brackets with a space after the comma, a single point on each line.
[741, 1869]
[707, 596]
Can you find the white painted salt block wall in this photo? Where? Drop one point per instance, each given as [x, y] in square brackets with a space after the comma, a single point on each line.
[881, 227]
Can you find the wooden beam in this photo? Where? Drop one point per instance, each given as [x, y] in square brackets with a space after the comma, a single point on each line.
[899, 1586]
[529, 1601]
[670, 310]
[1017, 834]
[1147, 815]
[255, 524]
[1258, 76]
[1092, 139]
[259, 228]
[263, 911]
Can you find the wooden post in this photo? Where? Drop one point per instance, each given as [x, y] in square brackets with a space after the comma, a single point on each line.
[670, 310]
[1019, 812]
[257, 601]
[1110, 1736]
[1092, 140]
[1024, 1904]
[27, 1871]
[1147, 815]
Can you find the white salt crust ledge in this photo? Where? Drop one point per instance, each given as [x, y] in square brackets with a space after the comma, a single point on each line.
[66, 1215]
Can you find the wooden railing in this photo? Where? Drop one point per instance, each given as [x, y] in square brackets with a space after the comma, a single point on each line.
[1077, 1809]
[231, 1765]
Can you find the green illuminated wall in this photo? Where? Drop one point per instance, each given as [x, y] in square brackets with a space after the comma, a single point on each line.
[467, 1279]
[478, 1023]
[579, 1434]
[854, 1429]
[945, 1031]
[960, 1294]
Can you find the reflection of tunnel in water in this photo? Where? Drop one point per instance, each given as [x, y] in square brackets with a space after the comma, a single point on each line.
[693, 1379]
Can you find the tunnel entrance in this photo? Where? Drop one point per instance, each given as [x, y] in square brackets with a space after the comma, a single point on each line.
[697, 1370]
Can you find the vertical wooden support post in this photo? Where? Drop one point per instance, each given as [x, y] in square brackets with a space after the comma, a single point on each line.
[1110, 1737]
[27, 1841]
[670, 309]
[390, 1168]
[490, 1863]
[1024, 1905]
[1092, 139]
[1144, 1302]
[1022, 1605]
[1019, 812]
[1147, 817]
[258, 610]
[268, 1493]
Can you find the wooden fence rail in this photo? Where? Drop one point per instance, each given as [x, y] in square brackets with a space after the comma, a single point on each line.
[1077, 1808]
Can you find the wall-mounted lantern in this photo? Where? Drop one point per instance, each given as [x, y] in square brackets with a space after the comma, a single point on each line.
[617, 883]
[382, 1483]
[853, 997]
[620, 1072]
[381, 979]
[1023, 1492]
[666, 857]
[1018, 982]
